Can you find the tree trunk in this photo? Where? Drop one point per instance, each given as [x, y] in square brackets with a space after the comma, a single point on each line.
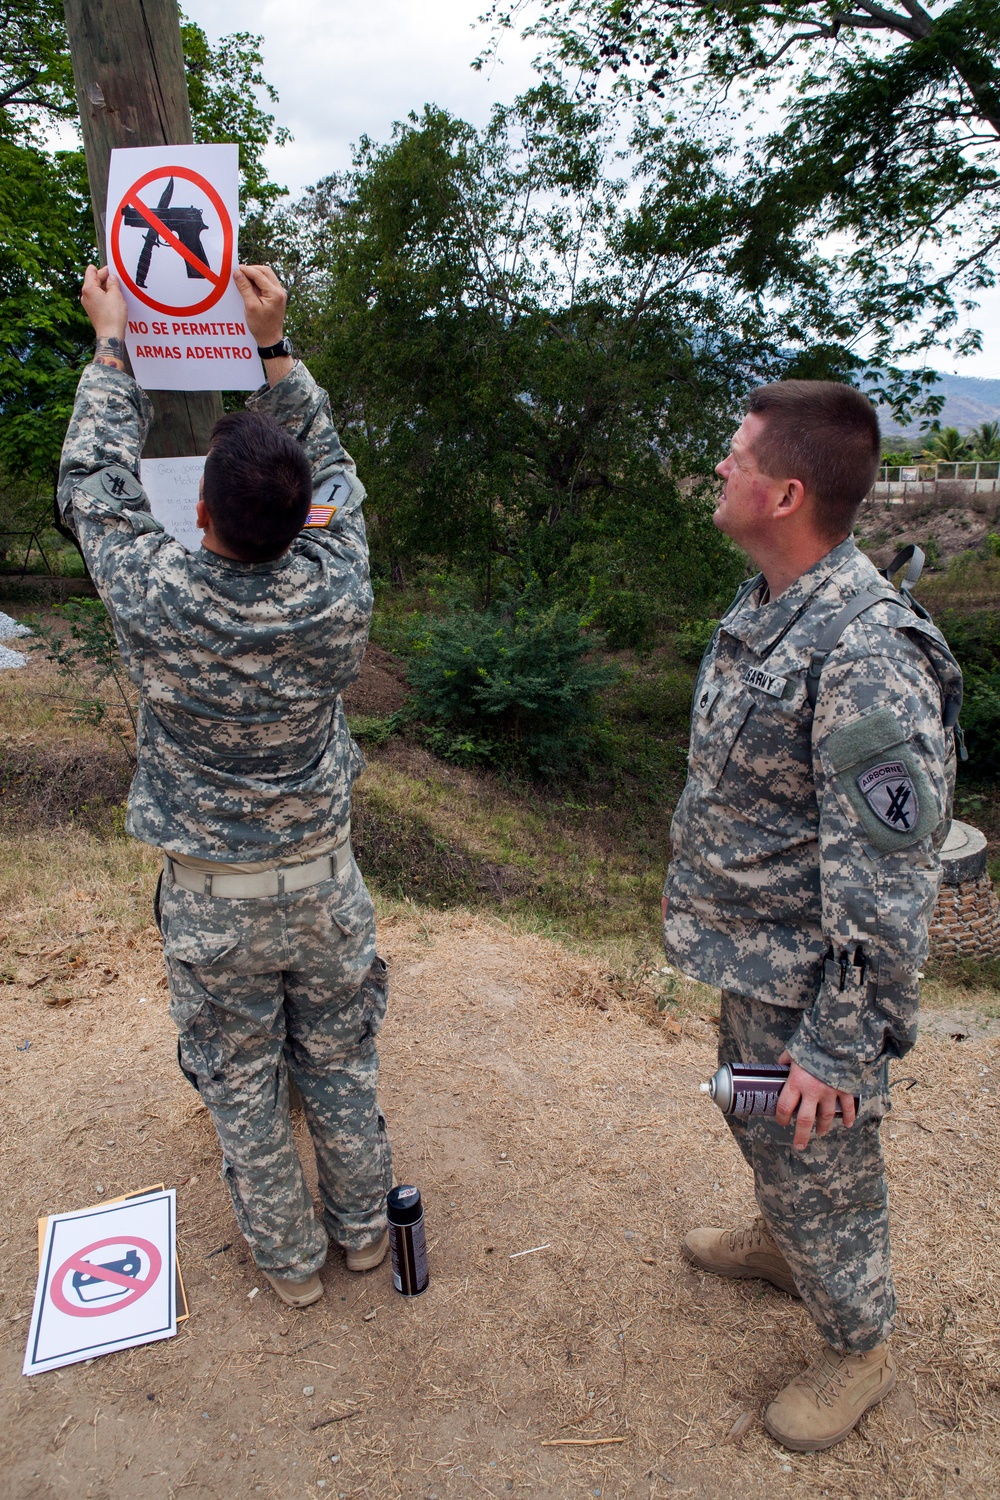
[128, 64]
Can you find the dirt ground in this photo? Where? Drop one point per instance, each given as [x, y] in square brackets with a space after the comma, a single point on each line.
[530, 1116]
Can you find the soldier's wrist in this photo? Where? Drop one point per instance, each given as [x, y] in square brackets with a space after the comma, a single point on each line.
[109, 352]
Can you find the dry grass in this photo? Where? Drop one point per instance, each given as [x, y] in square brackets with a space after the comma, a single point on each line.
[557, 864]
[533, 1107]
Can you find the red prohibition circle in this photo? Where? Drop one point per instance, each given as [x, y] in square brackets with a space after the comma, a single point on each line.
[76, 1262]
[227, 241]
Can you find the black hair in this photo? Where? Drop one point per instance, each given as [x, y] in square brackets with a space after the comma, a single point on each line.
[258, 485]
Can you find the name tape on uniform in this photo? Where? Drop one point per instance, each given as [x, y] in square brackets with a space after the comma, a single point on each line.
[766, 681]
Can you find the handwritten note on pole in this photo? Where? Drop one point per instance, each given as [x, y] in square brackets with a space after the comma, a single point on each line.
[172, 486]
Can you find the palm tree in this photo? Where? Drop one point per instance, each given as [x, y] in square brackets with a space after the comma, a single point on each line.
[984, 440]
[946, 446]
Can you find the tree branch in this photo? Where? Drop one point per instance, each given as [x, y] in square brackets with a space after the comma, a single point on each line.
[892, 20]
[10, 96]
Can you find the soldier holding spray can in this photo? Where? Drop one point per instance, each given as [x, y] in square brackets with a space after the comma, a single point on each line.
[804, 873]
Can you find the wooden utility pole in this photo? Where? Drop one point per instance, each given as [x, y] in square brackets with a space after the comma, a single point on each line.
[128, 64]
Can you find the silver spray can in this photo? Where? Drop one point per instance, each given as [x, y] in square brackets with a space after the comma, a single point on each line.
[750, 1090]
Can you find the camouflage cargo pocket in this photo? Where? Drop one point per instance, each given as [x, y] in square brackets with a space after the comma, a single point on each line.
[714, 736]
[375, 998]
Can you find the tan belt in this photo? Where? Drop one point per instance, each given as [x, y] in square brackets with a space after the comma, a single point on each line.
[274, 882]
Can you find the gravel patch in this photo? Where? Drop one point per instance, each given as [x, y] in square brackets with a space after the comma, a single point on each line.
[9, 628]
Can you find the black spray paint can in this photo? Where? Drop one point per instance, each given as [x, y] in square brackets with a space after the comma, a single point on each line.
[750, 1090]
[407, 1240]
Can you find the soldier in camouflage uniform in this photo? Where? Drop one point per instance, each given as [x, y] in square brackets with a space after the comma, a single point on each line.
[244, 775]
[804, 873]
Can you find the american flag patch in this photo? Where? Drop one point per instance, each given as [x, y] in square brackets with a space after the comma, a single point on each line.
[320, 515]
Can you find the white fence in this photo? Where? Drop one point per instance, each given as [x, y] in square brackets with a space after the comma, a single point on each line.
[902, 482]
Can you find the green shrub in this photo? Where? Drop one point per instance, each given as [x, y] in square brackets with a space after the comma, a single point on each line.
[628, 619]
[693, 638]
[513, 690]
[662, 701]
[975, 640]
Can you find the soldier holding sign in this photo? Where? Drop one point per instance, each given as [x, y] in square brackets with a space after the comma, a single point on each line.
[245, 766]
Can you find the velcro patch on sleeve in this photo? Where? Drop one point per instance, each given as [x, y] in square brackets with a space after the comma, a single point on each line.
[882, 776]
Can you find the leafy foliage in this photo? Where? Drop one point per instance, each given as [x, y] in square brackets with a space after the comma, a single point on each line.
[946, 446]
[873, 126]
[514, 690]
[46, 224]
[531, 371]
[984, 441]
[975, 640]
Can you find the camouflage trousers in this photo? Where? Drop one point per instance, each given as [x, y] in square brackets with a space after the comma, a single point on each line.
[282, 986]
[827, 1206]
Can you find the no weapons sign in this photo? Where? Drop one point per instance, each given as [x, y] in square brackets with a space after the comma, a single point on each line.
[172, 228]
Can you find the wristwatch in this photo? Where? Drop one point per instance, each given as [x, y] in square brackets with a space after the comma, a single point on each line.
[275, 351]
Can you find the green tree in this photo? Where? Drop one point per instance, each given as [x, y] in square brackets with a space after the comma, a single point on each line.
[947, 446]
[46, 226]
[887, 140]
[984, 440]
[533, 367]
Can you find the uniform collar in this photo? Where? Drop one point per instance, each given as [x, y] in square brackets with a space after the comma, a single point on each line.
[762, 626]
[216, 560]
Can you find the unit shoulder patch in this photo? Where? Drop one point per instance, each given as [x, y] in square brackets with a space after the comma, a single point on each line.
[891, 794]
[120, 484]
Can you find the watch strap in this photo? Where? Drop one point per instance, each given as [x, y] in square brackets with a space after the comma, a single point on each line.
[275, 351]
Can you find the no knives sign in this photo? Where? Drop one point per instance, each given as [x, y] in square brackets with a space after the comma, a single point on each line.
[106, 1281]
[172, 229]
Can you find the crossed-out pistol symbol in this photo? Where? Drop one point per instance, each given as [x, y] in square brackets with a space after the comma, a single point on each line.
[187, 224]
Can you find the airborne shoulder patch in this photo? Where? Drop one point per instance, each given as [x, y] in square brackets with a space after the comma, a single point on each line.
[891, 794]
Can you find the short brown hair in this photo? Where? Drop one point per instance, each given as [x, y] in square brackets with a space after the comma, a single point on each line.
[824, 434]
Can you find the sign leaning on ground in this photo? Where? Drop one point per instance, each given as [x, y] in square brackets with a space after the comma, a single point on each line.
[172, 227]
[106, 1281]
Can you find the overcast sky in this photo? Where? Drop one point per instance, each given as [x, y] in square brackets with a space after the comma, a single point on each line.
[344, 70]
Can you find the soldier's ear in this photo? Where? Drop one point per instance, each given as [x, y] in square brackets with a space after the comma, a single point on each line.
[202, 518]
[793, 498]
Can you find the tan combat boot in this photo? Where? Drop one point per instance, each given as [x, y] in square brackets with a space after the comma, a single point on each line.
[749, 1251]
[296, 1293]
[821, 1406]
[369, 1256]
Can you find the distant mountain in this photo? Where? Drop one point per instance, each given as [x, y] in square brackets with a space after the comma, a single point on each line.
[968, 401]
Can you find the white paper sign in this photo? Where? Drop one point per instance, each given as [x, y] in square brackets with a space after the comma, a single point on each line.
[172, 486]
[172, 229]
[106, 1281]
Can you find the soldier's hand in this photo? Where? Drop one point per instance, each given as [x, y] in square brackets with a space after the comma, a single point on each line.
[104, 303]
[264, 299]
[815, 1102]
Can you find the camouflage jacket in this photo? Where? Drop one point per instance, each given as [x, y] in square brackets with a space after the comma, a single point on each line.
[805, 860]
[243, 750]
